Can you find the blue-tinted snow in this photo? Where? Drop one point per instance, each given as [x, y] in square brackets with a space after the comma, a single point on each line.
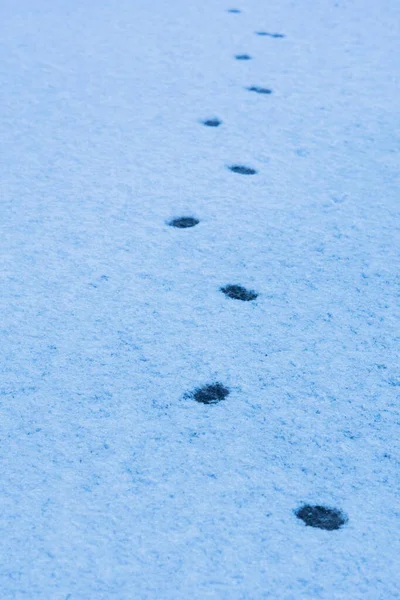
[115, 483]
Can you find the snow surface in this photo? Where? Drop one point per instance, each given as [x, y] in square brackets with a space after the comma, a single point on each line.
[115, 482]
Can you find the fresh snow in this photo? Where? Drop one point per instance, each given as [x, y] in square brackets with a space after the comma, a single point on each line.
[120, 480]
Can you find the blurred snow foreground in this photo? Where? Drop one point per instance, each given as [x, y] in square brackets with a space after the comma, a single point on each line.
[199, 212]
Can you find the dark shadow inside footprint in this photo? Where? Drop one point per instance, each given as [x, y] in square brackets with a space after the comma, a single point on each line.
[211, 393]
[242, 170]
[234, 10]
[184, 222]
[259, 90]
[273, 35]
[321, 517]
[237, 292]
[212, 122]
[242, 57]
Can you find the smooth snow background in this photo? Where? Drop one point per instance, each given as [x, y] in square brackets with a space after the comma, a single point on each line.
[114, 484]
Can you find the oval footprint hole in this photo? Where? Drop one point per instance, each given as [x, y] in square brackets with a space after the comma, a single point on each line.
[238, 292]
[211, 393]
[273, 35]
[259, 90]
[212, 122]
[234, 10]
[243, 57]
[321, 517]
[242, 170]
[184, 222]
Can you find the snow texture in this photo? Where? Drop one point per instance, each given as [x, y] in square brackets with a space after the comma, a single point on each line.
[115, 483]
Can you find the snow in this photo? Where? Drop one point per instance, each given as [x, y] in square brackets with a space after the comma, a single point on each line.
[115, 482]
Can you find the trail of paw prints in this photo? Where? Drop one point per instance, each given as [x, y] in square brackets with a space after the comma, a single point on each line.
[215, 122]
[314, 516]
